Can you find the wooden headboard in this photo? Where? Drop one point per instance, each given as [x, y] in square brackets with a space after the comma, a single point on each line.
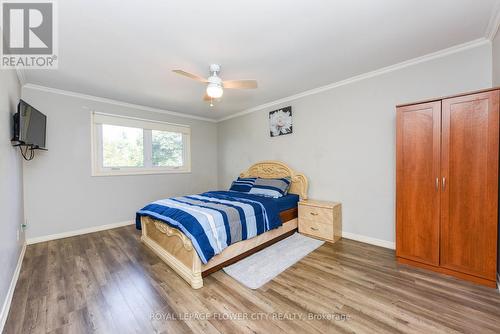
[275, 169]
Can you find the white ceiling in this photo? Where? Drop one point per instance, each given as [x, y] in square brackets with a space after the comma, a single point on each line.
[125, 50]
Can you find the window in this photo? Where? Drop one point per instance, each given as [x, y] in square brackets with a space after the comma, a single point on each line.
[122, 146]
[125, 145]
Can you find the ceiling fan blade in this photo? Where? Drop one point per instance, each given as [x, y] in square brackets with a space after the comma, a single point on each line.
[190, 75]
[240, 84]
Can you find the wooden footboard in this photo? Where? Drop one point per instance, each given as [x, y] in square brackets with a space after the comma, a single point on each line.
[173, 247]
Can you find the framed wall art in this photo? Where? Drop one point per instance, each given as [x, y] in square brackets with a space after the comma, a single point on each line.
[280, 122]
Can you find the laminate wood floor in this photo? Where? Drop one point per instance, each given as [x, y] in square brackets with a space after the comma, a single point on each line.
[108, 282]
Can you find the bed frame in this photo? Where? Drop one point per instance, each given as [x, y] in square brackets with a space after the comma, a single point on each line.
[176, 250]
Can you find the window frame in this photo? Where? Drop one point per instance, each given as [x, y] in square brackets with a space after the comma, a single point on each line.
[98, 118]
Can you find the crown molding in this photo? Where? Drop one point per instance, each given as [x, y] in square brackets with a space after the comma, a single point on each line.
[494, 22]
[384, 70]
[114, 102]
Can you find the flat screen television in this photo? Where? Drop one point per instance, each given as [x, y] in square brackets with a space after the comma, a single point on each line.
[29, 126]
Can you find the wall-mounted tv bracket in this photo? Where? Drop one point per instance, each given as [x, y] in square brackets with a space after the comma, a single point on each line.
[27, 151]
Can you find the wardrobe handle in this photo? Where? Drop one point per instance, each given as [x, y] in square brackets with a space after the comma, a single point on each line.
[444, 183]
[437, 183]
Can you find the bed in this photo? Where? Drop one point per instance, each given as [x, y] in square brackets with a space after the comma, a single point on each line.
[177, 250]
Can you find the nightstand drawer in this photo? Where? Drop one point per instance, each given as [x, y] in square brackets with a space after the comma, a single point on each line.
[320, 215]
[316, 228]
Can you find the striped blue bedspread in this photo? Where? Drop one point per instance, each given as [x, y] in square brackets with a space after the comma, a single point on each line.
[216, 219]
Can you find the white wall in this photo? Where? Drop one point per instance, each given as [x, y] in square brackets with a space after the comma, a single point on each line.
[60, 193]
[11, 185]
[344, 138]
[496, 60]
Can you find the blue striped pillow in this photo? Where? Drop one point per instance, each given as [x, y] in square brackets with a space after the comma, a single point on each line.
[243, 185]
[271, 187]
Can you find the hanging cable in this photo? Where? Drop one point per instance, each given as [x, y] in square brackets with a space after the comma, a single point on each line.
[25, 152]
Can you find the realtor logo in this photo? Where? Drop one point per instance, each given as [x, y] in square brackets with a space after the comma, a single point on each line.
[29, 39]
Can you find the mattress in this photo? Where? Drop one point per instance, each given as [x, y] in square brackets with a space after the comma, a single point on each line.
[287, 202]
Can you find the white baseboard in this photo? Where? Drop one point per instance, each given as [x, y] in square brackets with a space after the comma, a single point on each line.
[12, 287]
[68, 234]
[369, 240]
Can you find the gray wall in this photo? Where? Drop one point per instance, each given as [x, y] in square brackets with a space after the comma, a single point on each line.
[60, 193]
[344, 139]
[11, 183]
[496, 60]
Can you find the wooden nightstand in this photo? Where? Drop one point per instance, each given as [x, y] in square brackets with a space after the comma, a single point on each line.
[320, 219]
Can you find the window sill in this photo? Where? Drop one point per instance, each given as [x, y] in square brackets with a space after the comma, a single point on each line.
[141, 172]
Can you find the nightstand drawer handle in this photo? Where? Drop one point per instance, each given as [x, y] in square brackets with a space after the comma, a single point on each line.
[313, 213]
[314, 228]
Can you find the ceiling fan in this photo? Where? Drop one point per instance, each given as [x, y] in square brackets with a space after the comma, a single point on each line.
[215, 85]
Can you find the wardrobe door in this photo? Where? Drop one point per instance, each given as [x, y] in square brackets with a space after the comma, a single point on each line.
[469, 164]
[417, 185]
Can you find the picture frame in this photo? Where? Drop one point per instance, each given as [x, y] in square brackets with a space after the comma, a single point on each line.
[280, 122]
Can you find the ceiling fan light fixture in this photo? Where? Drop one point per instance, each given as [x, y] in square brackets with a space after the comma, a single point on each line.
[215, 85]
[215, 91]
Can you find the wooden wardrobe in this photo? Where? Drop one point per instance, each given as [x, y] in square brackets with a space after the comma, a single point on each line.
[447, 185]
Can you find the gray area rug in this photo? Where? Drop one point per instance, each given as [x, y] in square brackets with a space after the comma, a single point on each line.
[261, 267]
